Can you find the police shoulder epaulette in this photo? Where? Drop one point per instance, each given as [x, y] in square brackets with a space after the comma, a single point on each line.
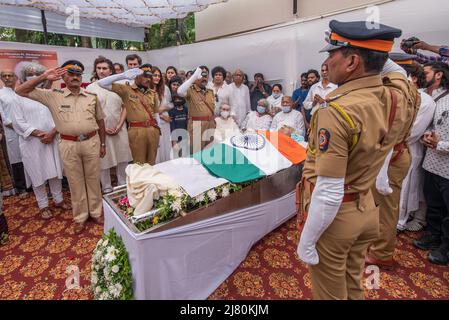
[58, 90]
[88, 92]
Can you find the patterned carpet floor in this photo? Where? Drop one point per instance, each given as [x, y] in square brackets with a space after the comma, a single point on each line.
[34, 264]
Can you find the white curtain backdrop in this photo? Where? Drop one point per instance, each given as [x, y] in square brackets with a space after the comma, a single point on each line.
[280, 53]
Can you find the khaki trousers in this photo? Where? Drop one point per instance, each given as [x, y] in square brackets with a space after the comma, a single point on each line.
[199, 138]
[383, 247]
[342, 248]
[143, 143]
[82, 168]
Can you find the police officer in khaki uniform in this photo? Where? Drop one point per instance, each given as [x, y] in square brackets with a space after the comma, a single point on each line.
[79, 120]
[201, 102]
[387, 190]
[142, 107]
[350, 137]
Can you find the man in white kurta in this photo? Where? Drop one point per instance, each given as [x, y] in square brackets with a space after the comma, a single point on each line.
[39, 149]
[319, 91]
[239, 99]
[288, 117]
[118, 153]
[413, 184]
[8, 102]
[221, 89]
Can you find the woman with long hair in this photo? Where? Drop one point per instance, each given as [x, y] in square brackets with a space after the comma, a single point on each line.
[166, 104]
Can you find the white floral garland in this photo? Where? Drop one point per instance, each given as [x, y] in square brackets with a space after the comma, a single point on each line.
[111, 277]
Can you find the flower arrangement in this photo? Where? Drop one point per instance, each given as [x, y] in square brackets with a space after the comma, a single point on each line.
[177, 202]
[111, 277]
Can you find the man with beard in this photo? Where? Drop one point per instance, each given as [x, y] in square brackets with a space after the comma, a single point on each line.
[79, 120]
[142, 105]
[436, 166]
[201, 103]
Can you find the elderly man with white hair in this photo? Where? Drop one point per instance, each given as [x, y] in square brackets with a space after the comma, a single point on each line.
[39, 148]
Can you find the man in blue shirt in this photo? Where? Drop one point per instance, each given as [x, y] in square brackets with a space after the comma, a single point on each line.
[300, 94]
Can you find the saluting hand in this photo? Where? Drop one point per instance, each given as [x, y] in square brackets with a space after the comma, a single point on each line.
[54, 74]
[132, 73]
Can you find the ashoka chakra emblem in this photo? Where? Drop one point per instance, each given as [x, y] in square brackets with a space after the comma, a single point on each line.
[250, 141]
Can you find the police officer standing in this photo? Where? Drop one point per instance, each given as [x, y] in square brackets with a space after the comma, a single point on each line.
[79, 120]
[201, 101]
[142, 107]
[349, 140]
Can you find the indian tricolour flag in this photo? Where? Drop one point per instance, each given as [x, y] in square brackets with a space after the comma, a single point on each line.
[251, 156]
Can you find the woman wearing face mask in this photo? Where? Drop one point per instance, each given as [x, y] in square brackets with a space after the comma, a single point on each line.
[226, 125]
[259, 119]
[166, 104]
[275, 99]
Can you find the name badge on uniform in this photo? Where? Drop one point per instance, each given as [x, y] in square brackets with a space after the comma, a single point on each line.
[65, 106]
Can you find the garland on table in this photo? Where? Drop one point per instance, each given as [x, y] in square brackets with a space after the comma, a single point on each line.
[111, 277]
[176, 203]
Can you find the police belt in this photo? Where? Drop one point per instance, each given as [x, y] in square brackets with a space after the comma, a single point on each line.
[82, 137]
[206, 118]
[144, 124]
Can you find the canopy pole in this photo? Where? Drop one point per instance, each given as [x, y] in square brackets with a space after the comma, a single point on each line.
[44, 25]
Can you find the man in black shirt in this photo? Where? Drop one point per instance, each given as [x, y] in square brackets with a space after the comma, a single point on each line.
[258, 90]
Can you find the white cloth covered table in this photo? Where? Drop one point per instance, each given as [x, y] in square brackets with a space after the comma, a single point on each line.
[191, 261]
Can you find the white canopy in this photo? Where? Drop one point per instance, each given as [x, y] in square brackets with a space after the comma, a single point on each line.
[134, 13]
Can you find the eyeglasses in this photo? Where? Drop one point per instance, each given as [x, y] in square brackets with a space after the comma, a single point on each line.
[216, 97]
[444, 116]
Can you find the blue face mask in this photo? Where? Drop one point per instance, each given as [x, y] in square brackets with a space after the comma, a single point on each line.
[276, 95]
[286, 109]
[261, 109]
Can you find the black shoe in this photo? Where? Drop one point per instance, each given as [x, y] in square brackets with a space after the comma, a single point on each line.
[427, 242]
[439, 256]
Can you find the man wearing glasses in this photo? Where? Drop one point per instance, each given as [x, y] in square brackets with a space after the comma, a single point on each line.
[201, 125]
[141, 105]
[436, 166]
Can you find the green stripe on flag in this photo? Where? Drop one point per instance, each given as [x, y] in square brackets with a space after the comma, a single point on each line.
[229, 163]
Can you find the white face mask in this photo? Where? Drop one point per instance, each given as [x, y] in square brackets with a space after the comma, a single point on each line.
[225, 114]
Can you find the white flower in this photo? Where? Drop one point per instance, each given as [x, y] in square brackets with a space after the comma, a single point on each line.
[97, 290]
[97, 267]
[110, 254]
[105, 243]
[176, 193]
[212, 195]
[115, 268]
[199, 198]
[99, 242]
[118, 289]
[225, 192]
[94, 278]
[176, 205]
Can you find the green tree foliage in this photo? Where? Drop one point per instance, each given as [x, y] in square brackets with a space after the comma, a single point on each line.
[169, 33]
[172, 32]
